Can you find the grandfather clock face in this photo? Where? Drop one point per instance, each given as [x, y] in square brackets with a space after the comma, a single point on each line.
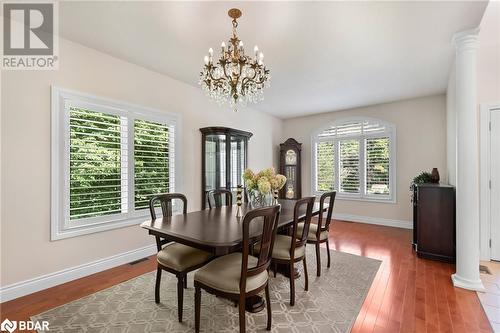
[291, 157]
[290, 173]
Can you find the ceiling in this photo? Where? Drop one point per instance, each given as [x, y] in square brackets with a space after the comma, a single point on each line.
[323, 56]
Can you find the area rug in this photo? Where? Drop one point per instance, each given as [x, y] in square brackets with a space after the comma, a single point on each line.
[331, 304]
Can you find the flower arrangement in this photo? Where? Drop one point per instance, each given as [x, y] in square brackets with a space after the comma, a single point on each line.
[264, 182]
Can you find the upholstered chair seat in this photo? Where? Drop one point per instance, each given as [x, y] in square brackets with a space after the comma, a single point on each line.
[180, 257]
[224, 274]
[281, 248]
[313, 229]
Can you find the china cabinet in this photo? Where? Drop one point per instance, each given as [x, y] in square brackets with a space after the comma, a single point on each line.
[224, 158]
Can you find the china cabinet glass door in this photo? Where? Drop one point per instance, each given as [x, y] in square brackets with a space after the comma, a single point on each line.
[238, 161]
[215, 162]
[224, 158]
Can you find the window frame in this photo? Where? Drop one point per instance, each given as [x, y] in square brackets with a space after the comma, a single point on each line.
[390, 132]
[61, 101]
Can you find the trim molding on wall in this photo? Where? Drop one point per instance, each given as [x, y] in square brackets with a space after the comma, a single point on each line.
[484, 177]
[30, 286]
[484, 180]
[374, 220]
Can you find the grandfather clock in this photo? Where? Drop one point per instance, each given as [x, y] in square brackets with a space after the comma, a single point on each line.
[290, 166]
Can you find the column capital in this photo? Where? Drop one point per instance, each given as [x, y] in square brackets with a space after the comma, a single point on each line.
[466, 39]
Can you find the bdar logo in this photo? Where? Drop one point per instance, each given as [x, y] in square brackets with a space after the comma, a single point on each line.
[8, 325]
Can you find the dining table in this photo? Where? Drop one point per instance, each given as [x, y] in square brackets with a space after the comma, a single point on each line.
[219, 230]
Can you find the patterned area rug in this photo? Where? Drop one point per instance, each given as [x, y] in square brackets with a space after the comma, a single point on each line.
[331, 304]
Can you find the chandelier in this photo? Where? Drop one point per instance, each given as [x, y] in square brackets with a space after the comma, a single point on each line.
[236, 78]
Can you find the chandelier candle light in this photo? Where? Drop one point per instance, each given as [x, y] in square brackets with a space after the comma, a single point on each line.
[235, 78]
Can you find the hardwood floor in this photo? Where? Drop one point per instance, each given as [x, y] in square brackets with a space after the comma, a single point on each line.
[407, 295]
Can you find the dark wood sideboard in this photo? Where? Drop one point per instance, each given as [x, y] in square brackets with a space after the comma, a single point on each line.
[434, 221]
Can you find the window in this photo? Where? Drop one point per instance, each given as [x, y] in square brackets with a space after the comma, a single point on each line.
[355, 157]
[349, 166]
[108, 159]
[95, 169]
[152, 155]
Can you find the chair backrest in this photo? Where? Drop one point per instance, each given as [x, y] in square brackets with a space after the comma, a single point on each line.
[214, 198]
[269, 216]
[165, 201]
[300, 239]
[325, 226]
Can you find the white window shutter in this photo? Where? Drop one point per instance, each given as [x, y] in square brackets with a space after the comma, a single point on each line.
[349, 166]
[325, 166]
[95, 164]
[153, 157]
[377, 166]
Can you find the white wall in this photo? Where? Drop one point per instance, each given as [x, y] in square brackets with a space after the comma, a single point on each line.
[488, 55]
[421, 145]
[26, 249]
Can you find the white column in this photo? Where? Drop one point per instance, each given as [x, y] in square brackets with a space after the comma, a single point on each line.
[467, 187]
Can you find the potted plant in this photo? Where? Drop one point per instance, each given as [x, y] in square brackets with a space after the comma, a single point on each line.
[423, 178]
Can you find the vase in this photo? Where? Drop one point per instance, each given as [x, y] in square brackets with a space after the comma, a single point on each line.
[435, 176]
[258, 199]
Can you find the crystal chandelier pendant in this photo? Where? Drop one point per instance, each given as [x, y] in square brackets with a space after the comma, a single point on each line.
[236, 78]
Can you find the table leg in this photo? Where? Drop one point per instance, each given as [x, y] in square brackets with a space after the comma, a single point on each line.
[284, 270]
[254, 304]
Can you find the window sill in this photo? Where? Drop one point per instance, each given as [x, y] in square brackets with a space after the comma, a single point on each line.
[344, 197]
[96, 227]
[348, 198]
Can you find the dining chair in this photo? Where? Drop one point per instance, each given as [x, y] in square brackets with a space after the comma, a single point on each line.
[289, 250]
[237, 276]
[175, 258]
[318, 233]
[214, 198]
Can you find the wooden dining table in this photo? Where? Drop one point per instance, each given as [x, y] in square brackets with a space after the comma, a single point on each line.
[218, 230]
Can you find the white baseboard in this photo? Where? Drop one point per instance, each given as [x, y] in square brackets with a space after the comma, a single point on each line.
[30, 286]
[374, 220]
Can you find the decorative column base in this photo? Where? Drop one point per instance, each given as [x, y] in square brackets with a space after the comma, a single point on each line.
[467, 284]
